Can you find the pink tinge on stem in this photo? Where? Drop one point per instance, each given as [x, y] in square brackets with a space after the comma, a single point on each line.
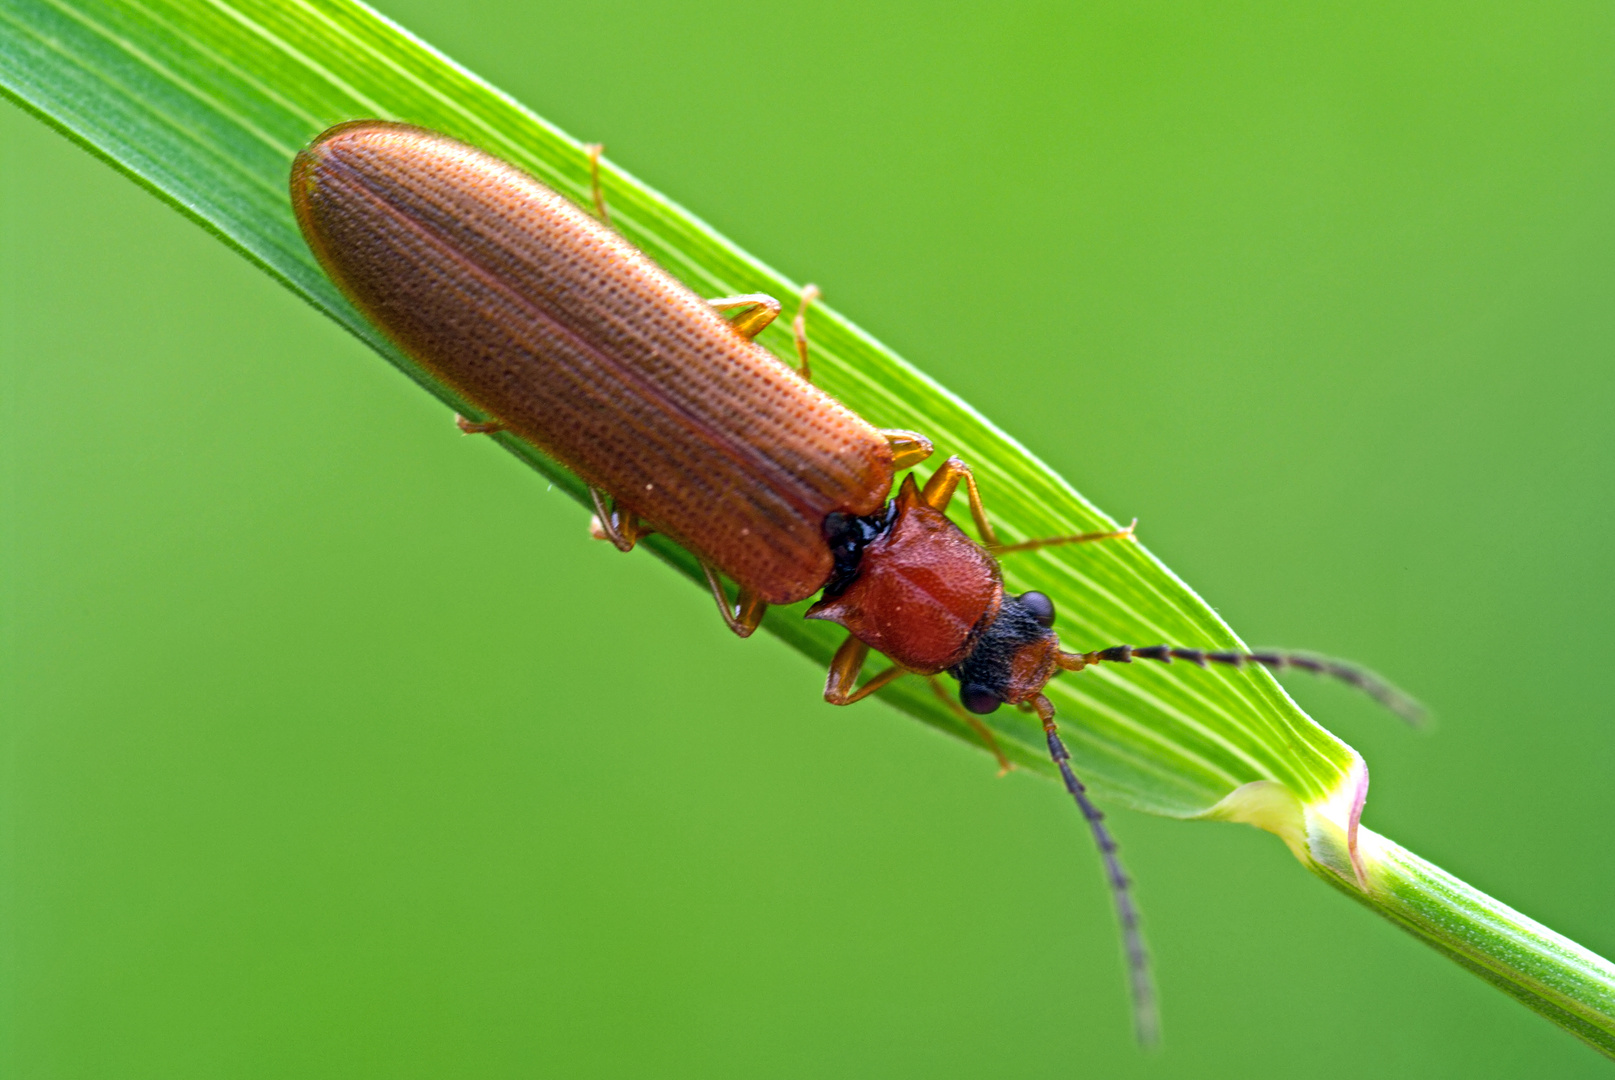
[1359, 797]
[1324, 832]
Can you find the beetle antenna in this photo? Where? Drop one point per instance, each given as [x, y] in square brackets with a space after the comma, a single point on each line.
[1381, 690]
[1146, 1017]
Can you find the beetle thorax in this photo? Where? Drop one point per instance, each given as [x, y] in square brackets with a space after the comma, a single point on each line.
[920, 591]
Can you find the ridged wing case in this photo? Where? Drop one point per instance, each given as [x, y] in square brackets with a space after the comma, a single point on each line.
[575, 340]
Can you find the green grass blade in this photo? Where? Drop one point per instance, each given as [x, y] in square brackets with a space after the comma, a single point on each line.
[205, 103]
[1546, 972]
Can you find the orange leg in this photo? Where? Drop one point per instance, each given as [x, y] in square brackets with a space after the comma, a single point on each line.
[622, 527]
[909, 448]
[757, 310]
[477, 427]
[1074, 538]
[944, 482]
[845, 668]
[746, 614]
[638, 529]
[754, 311]
[939, 491]
[594, 150]
[848, 664]
[810, 293]
[981, 729]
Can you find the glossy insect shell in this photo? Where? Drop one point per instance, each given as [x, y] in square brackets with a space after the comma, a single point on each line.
[561, 330]
[924, 593]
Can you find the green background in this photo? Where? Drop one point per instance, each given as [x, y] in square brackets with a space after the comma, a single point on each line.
[333, 748]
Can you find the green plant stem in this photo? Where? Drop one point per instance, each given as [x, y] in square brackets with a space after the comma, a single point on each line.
[1545, 971]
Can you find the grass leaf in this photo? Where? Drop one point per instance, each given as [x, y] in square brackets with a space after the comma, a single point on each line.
[204, 102]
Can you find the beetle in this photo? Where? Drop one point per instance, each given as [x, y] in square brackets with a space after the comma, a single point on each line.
[555, 328]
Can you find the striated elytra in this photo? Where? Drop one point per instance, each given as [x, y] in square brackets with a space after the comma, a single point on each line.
[570, 337]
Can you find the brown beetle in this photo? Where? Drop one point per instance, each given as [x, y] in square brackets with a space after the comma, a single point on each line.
[560, 331]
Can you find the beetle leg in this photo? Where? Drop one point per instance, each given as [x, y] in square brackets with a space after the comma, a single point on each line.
[939, 491]
[944, 482]
[1074, 538]
[909, 448]
[747, 612]
[844, 670]
[755, 311]
[594, 150]
[477, 427]
[848, 664]
[760, 309]
[975, 722]
[810, 293]
[622, 527]
[631, 527]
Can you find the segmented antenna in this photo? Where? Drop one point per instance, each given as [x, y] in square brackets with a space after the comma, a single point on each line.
[1146, 1017]
[1397, 701]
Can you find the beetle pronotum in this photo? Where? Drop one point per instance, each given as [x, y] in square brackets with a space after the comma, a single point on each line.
[558, 330]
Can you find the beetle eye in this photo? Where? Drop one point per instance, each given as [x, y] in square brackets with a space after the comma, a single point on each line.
[1041, 607]
[978, 699]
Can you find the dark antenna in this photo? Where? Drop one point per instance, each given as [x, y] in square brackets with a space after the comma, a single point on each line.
[1397, 701]
[1146, 1017]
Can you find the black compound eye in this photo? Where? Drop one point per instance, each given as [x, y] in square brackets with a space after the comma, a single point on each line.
[1041, 607]
[978, 699]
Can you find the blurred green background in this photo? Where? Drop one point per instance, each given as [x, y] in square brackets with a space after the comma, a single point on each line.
[332, 747]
